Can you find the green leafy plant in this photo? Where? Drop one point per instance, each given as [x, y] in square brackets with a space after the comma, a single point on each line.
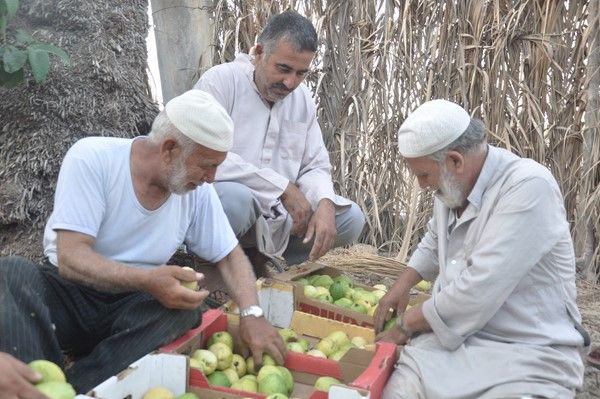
[20, 50]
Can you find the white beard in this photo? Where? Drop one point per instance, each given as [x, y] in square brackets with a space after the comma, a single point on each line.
[177, 178]
[450, 192]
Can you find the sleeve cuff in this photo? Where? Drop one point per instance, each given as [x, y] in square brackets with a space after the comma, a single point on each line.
[448, 338]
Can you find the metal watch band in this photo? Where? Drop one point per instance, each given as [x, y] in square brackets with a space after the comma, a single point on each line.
[253, 310]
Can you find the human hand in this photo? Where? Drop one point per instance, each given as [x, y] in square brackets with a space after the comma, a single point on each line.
[260, 336]
[393, 335]
[396, 298]
[164, 283]
[322, 227]
[17, 379]
[298, 207]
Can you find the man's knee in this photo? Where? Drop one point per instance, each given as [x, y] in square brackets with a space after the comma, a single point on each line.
[349, 225]
[239, 205]
[14, 270]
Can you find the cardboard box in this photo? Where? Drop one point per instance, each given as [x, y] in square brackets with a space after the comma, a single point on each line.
[166, 370]
[329, 310]
[363, 372]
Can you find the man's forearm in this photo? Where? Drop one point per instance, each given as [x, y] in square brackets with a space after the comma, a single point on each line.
[239, 277]
[80, 263]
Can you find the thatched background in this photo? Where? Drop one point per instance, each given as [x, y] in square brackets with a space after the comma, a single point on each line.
[105, 92]
[528, 68]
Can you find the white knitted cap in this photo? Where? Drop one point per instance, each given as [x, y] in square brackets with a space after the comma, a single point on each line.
[199, 116]
[431, 127]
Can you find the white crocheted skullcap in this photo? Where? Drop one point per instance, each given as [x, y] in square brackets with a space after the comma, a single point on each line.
[199, 116]
[431, 127]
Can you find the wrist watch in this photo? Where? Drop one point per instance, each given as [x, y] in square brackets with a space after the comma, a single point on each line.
[400, 326]
[253, 310]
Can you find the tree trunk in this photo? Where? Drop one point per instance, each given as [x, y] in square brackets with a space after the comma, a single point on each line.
[184, 31]
[104, 92]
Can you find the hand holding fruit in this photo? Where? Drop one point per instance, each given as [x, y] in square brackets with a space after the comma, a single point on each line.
[164, 283]
[261, 337]
[396, 298]
[17, 379]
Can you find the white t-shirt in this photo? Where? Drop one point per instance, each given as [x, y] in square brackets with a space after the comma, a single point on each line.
[95, 196]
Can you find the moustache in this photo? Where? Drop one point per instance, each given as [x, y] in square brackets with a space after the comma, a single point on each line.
[280, 86]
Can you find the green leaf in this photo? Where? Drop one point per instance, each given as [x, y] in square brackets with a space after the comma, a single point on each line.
[49, 48]
[11, 6]
[10, 80]
[40, 63]
[13, 59]
[23, 37]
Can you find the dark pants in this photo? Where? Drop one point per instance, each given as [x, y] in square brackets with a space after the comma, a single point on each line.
[42, 316]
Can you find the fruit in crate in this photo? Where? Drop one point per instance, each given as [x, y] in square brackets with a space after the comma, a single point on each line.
[231, 374]
[56, 389]
[192, 285]
[310, 291]
[359, 342]
[272, 383]
[287, 334]
[158, 393]
[223, 353]
[245, 384]
[380, 287]
[221, 336]
[207, 359]
[187, 395]
[239, 364]
[295, 347]
[304, 343]
[316, 353]
[324, 383]
[219, 378]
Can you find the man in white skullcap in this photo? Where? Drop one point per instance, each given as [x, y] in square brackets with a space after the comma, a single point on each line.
[502, 321]
[121, 209]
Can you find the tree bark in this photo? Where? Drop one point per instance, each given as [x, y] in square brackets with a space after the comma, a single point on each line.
[184, 31]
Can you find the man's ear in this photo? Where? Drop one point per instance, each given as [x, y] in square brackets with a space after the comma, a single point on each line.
[169, 150]
[258, 50]
[455, 161]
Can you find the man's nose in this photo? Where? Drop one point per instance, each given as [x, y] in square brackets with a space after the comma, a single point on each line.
[291, 82]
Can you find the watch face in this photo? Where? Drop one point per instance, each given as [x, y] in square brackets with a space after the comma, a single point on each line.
[255, 311]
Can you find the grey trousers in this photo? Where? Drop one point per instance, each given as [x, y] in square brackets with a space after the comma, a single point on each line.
[242, 210]
[44, 316]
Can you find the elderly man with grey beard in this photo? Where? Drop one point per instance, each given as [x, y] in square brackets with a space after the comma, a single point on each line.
[502, 321]
[122, 207]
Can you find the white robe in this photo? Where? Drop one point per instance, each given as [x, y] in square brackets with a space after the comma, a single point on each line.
[503, 311]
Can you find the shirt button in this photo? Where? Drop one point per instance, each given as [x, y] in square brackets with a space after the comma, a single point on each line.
[453, 262]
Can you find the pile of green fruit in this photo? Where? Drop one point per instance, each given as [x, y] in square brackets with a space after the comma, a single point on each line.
[223, 367]
[334, 346]
[53, 383]
[342, 292]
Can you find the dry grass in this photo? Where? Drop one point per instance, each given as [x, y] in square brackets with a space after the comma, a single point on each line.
[528, 69]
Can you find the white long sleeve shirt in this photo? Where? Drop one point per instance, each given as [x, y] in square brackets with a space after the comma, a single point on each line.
[504, 285]
[272, 145]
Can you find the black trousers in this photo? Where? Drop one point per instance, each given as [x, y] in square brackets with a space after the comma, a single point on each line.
[44, 316]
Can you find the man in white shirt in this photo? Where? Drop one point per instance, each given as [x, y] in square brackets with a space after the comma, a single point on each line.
[121, 209]
[502, 321]
[275, 185]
